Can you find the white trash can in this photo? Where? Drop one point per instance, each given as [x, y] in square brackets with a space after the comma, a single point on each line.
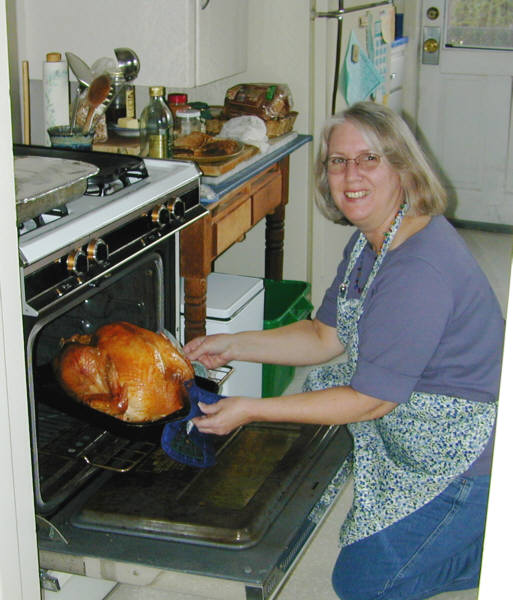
[235, 303]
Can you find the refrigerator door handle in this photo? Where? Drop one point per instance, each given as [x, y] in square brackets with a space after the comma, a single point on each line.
[339, 14]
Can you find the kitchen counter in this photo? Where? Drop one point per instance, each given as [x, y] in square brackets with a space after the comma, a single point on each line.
[254, 190]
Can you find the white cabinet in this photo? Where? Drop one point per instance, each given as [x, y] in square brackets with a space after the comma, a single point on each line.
[180, 43]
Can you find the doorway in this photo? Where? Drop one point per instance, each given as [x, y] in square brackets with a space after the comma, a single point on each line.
[464, 110]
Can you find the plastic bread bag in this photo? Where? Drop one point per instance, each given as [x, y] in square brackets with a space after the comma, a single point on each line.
[247, 129]
[264, 100]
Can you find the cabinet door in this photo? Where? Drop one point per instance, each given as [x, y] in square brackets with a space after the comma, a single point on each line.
[179, 43]
[221, 42]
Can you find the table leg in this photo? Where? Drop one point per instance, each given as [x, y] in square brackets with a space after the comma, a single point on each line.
[274, 237]
[195, 307]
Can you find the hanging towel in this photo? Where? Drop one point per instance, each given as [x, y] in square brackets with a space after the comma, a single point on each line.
[359, 77]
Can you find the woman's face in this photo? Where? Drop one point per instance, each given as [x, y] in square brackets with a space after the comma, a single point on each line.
[371, 199]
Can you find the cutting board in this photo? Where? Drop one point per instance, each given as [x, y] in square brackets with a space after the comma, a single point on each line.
[119, 145]
[222, 167]
[131, 146]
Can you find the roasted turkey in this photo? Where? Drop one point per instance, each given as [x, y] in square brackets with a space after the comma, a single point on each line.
[125, 371]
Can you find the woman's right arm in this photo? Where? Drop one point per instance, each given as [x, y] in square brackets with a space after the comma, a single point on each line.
[307, 342]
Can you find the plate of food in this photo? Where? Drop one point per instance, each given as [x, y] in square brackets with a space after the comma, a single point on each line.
[124, 131]
[206, 149]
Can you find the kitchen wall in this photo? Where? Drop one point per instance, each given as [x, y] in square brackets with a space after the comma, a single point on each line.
[284, 45]
[278, 51]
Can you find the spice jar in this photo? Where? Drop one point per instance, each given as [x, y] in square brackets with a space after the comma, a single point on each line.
[188, 120]
[177, 102]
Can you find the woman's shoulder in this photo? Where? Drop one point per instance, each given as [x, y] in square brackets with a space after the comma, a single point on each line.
[438, 253]
[437, 243]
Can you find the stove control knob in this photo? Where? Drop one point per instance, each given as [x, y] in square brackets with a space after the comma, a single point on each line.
[177, 209]
[97, 251]
[76, 262]
[160, 215]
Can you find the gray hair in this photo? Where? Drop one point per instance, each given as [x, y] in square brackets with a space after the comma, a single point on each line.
[389, 136]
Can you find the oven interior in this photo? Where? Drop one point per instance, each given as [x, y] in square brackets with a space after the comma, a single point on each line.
[71, 441]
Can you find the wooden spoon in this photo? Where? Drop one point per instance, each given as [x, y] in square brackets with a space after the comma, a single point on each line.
[97, 93]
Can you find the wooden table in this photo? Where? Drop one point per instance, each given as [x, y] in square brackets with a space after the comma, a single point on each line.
[250, 195]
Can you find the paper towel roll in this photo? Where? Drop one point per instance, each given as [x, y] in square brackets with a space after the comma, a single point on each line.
[55, 92]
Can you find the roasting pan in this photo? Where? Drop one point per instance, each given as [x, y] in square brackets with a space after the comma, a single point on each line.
[49, 391]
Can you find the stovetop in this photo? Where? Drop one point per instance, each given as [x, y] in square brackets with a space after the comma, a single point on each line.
[151, 181]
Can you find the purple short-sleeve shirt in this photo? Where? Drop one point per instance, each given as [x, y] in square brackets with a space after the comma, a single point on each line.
[431, 322]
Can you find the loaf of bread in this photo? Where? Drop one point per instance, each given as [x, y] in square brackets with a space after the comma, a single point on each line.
[264, 100]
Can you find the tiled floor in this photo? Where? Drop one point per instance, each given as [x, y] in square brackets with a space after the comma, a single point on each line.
[311, 576]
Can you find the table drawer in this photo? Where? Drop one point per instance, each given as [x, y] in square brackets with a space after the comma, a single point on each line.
[232, 226]
[266, 199]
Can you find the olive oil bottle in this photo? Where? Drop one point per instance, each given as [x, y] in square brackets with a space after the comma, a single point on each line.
[156, 126]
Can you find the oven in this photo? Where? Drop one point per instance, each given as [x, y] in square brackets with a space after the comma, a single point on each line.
[109, 501]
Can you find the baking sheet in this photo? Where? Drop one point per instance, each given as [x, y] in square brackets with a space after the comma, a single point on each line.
[43, 183]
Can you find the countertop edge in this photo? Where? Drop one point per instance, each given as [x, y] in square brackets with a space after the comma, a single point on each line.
[258, 166]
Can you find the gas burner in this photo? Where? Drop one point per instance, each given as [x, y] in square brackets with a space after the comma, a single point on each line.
[42, 220]
[110, 180]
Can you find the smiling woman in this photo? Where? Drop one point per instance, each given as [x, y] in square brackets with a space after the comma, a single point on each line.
[386, 136]
[407, 306]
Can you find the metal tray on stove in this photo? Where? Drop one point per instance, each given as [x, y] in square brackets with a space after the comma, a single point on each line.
[43, 183]
[48, 390]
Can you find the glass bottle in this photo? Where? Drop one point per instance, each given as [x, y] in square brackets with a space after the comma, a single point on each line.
[156, 126]
[117, 108]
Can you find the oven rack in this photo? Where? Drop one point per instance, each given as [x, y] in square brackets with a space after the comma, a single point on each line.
[65, 441]
[107, 452]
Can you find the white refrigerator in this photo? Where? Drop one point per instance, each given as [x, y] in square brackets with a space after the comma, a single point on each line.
[351, 61]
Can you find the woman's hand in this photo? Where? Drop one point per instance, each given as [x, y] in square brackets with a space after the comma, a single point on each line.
[301, 343]
[225, 415]
[212, 350]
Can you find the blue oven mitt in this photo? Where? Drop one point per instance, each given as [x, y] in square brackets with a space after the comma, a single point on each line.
[186, 445]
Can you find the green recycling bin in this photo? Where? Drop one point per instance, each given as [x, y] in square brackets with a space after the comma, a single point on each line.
[285, 302]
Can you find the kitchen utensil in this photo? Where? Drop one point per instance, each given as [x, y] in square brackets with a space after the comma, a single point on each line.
[128, 63]
[44, 183]
[80, 69]
[26, 102]
[99, 94]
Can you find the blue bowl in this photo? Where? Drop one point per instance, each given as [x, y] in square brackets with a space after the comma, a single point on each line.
[63, 136]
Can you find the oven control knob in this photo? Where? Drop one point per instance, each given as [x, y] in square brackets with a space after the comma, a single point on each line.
[177, 209]
[160, 215]
[97, 251]
[76, 262]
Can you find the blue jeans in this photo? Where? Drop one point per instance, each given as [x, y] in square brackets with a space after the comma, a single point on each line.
[435, 549]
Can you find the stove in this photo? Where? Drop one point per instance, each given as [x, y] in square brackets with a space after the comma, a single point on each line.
[106, 495]
[124, 187]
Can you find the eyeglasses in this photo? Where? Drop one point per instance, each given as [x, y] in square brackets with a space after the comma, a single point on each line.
[366, 161]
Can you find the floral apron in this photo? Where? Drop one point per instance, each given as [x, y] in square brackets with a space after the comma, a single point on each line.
[405, 459]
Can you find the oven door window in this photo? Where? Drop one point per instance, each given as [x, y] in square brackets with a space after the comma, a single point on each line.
[134, 294]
